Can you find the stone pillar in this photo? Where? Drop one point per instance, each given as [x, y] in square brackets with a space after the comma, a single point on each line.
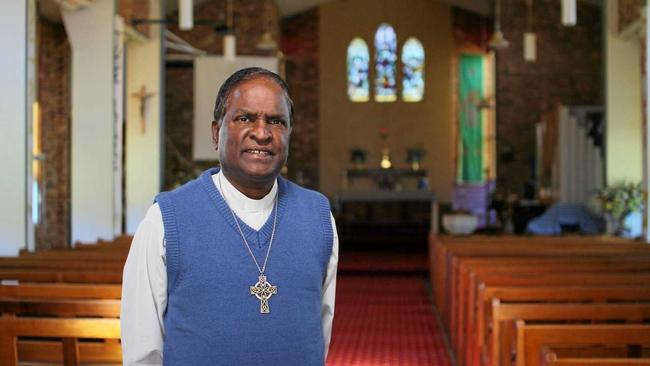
[623, 88]
[13, 138]
[144, 146]
[94, 143]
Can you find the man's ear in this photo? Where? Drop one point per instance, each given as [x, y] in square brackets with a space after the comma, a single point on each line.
[215, 134]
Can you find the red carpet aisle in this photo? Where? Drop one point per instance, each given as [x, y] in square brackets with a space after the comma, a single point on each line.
[383, 262]
[385, 321]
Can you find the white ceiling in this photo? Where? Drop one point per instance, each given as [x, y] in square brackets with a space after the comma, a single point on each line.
[290, 7]
[484, 7]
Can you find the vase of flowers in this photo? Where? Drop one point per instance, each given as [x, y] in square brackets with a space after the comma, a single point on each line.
[618, 201]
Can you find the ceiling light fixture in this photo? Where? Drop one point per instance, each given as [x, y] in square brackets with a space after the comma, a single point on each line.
[498, 41]
[185, 14]
[569, 12]
[267, 43]
[530, 39]
[229, 40]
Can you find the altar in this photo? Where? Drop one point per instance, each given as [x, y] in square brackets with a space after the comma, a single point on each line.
[376, 213]
[373, 200]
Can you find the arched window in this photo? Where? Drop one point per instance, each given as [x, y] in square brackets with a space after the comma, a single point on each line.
[413, 69]
[385, 60]
[358, 60]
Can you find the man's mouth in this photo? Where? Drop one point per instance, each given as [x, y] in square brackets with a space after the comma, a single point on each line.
[259, 152]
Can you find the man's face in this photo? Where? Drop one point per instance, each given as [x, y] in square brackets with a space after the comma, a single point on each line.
[253, 138]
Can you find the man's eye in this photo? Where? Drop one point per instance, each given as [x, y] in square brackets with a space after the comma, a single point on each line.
[243, 119]
[277, 121]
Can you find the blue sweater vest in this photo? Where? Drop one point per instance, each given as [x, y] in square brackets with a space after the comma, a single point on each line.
[211, 317]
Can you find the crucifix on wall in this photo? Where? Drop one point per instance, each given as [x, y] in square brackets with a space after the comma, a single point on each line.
[143, 96]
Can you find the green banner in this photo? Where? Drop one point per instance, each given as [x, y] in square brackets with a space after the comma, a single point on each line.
[471, 118]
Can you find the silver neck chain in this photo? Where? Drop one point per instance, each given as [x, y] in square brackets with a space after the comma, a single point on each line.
[275, 220]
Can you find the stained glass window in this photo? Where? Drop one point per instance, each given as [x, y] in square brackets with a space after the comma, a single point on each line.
[385, 60]
[413, 69]
[358, 60]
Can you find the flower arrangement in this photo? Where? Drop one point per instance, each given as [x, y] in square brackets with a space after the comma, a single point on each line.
[383, 133]
[621, 199]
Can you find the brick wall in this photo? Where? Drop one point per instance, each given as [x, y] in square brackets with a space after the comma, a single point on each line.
[251, 18]
[249, 25]
[568, 70]
[54, 62]
[300, 48]
[179, 117]
[471, 30]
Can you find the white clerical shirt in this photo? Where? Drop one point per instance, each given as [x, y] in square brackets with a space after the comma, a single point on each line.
[144, 288]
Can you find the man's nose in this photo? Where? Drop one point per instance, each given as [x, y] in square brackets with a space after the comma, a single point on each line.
[261, 131]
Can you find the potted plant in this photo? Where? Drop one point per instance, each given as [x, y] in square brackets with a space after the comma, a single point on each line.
[618, 201]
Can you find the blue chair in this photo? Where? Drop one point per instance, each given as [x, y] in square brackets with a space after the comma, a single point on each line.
[562, 215]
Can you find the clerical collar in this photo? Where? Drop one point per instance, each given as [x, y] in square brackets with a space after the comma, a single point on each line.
[239, 202]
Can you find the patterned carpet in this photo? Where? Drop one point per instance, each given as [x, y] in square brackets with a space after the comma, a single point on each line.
[385, 320]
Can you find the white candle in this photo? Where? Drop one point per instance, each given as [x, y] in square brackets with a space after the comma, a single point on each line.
[530, 47]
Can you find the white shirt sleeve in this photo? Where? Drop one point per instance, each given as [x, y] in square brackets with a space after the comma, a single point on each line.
[329, 290]
[144, 294]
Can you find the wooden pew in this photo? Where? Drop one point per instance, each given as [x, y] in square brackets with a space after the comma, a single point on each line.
[35, 263]
[63, 300]
[60, 291]
[505, 314]
[459, 265]
[53, 351]
[538, 252]
[594, 293]
[120, 241]
[445, 250]
[60, 275]
[111, 255]
[471, 270]
[442, 249]
[532, 338]
[476, 317]
[67, 328]
[552, 359]
[468, 303]
[528, 271]
[59, 305]
[106, 308]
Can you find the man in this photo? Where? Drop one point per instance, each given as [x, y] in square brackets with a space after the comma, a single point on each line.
[237, 267]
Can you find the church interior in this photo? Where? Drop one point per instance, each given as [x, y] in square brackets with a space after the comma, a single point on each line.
[487, 163]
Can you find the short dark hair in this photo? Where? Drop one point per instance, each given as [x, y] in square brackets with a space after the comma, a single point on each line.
[241, 76]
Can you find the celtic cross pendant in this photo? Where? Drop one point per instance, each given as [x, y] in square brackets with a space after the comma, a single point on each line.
[263, 291]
